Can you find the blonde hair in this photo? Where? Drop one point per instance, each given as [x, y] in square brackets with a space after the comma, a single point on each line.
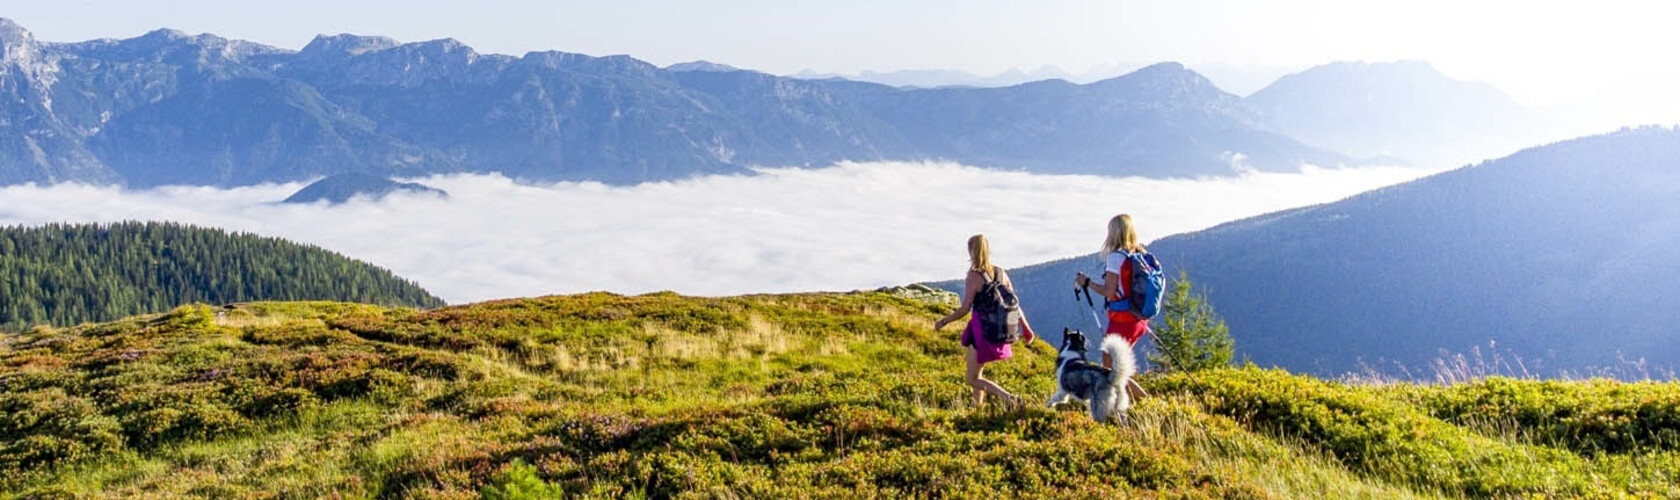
[979, 254]
[1122, 236]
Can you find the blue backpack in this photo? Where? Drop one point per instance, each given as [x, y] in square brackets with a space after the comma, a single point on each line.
[1147, 286]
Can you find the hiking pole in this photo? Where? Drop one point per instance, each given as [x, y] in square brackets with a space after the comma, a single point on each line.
[1089, 306]
[1156, 339]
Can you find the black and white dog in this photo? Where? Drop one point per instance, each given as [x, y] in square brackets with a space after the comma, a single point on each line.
[1103, 389]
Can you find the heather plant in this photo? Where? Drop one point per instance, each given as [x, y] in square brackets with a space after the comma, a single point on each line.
[1592, 416]
[520, 482]
[1387, 438]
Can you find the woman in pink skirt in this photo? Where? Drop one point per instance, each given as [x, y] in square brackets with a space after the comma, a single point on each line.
[979, 350]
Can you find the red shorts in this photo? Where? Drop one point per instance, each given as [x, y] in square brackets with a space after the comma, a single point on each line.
[1127, 325]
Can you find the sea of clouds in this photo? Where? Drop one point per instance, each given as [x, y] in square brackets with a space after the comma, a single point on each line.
[849, 226]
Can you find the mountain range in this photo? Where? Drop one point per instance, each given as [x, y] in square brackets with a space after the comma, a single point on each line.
[933, 78]
[1240, 79]
[1558, 258]
[172, 108]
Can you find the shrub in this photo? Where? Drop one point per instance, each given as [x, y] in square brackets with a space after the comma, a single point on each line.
[1388, 439]
[519, 481]
[1588, 417]
[47, 427]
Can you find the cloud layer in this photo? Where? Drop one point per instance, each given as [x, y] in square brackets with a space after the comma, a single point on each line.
[855, 225]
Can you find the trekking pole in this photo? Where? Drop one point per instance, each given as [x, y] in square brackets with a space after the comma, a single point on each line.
[1089, 306]
[1156, 339]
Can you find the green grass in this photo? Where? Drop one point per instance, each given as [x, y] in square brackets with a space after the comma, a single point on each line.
[815, 395]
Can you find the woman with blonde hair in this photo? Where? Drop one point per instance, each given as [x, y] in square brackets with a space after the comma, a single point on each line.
[981, 350]
[1121, 243]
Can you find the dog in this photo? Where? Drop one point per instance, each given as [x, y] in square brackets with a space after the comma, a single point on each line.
[1101, 388]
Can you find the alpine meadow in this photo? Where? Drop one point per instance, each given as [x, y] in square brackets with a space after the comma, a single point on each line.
[812, 395]
[652, 249]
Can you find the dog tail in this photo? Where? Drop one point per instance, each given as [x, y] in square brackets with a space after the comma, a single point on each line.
[1120, 352]
[1113, 401]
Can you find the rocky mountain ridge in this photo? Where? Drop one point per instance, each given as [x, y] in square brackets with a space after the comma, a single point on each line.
[171, 108]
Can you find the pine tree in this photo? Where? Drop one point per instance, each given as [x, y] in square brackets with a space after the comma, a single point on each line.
[1189, 331]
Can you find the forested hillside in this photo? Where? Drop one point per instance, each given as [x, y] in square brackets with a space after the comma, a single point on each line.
[67, 274]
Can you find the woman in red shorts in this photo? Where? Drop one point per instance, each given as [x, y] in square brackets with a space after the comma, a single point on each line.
[1122, 241]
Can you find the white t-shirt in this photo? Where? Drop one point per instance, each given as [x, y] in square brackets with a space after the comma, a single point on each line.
[1115, 260]
[1113, 265]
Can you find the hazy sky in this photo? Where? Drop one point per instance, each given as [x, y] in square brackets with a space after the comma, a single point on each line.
[1545, 53]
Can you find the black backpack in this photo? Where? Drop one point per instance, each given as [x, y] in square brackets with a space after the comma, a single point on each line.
[999, 311]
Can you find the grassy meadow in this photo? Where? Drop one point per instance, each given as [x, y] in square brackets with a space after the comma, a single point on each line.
[783, 396]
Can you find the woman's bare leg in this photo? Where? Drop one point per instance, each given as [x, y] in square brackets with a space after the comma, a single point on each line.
[980, 384]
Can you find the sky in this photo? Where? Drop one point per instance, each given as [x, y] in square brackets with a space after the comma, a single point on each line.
[1616, 54]
[783, 230]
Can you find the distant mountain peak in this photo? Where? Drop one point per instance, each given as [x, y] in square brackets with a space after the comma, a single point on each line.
[1163, 67]
[167, 41]
[1171, 77]
[701, 65]
[1165, 72]
[15, 41]
[447, 52]
[557, 59]
[345, 44]
[11, 30]
[1411, 111]
[168, 35]
[341, 188]
[444, 45]
[1415, 68]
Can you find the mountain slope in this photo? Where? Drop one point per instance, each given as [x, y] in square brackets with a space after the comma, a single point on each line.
[69, 274]
[172, 108]
[340, 188]
[35, 144]
[1560, 255]
[1401, 110]
[819, 396]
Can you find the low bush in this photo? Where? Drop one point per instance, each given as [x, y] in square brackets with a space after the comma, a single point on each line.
[1588, 417]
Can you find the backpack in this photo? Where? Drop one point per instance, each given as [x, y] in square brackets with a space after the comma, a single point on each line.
[999, 311]
[1148, 284]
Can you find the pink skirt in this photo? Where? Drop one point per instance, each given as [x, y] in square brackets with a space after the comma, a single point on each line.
[985, 351]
